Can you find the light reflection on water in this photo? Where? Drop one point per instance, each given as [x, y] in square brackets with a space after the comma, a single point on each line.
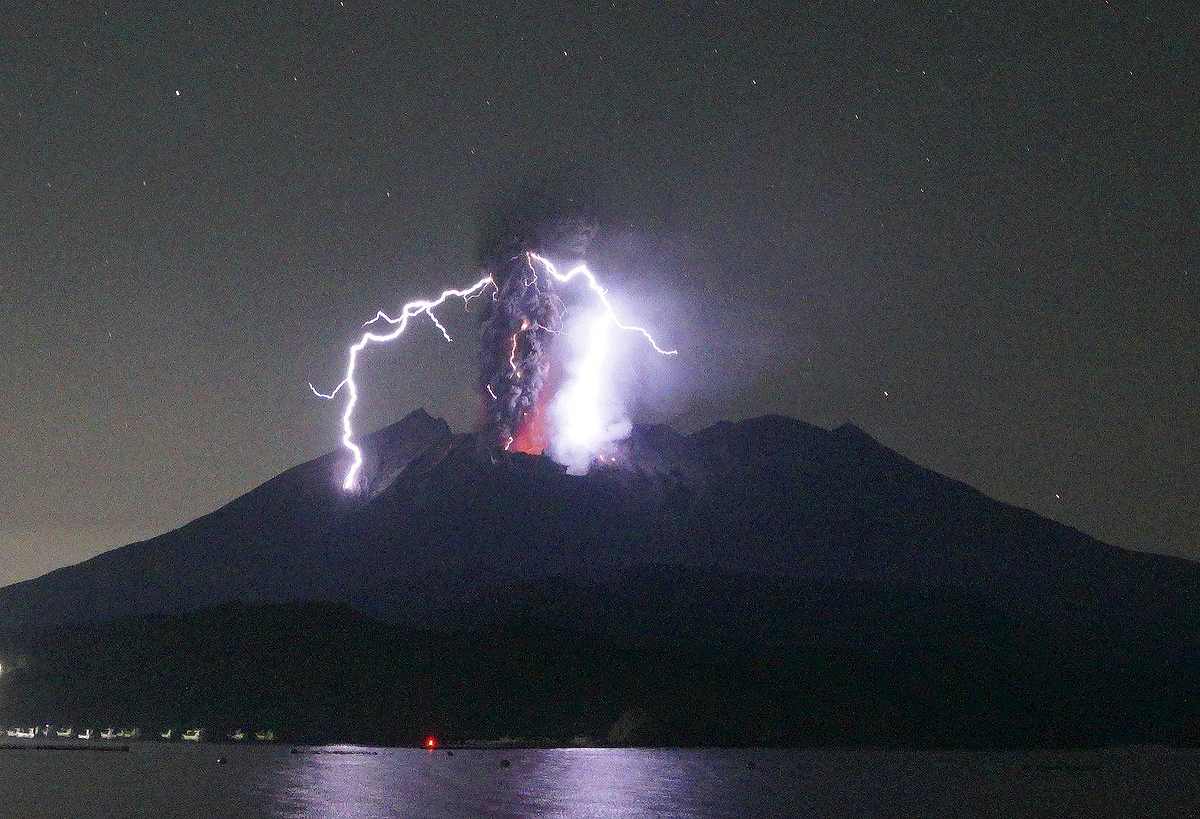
[180, 781]
[559, 782]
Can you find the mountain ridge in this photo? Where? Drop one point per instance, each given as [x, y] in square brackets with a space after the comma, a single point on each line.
[439, 515]
[764, 581]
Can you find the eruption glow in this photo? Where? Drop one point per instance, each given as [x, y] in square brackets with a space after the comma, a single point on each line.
[579, 410]
[585, 416]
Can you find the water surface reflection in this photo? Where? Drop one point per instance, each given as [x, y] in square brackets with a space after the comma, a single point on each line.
[556, 782]
[162, 780]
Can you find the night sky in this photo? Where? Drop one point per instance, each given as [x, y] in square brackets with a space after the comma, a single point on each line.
[969, 228]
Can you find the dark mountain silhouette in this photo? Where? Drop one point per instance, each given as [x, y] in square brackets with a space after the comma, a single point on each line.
[765, 580]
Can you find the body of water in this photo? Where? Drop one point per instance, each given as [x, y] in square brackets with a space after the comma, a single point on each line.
[187, 781]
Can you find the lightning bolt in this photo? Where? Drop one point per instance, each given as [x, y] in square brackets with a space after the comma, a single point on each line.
[512, 356]
[399, 325]
[601, 294]
[426, 307]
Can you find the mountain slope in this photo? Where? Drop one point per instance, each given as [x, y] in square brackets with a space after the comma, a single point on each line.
[442, 530]
[760, 581]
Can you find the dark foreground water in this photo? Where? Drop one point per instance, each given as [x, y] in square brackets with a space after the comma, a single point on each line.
[186, 781]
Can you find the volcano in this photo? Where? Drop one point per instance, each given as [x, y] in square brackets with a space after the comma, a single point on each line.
[820, 563]
[441, 527]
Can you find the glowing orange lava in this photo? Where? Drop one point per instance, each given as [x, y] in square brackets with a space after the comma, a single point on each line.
[532, 436]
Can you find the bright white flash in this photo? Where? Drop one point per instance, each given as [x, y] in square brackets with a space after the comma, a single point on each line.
[586, 414]
[583, 401]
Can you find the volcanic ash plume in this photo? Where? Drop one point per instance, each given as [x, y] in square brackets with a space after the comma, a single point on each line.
[549, 383]
[519, 328]
[518, 362]
[546, 383]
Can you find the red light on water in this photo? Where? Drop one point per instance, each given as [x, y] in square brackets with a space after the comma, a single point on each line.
[431, 742]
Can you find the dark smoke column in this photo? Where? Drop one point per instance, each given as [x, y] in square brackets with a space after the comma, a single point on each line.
[520, 325]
